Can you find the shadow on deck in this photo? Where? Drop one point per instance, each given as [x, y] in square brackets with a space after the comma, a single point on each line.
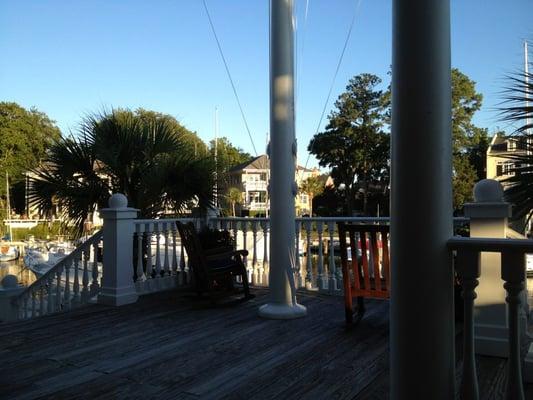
[173, 345]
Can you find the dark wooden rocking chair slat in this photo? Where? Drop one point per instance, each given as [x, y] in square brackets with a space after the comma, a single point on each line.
[359, 279]
[213, 266]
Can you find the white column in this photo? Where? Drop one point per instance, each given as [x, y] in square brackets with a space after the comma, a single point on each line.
[488, 218]
[282, 303]
[422, 312]
[118, 287]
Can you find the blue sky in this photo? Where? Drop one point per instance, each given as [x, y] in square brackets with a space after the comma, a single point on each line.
[68, 58]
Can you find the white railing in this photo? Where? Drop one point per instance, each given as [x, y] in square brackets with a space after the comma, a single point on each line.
[255, 185]
[513, 273]
[317, 266]
[159, 261]
[74, 281]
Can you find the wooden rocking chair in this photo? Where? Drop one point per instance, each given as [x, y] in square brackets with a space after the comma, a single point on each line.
[361, 260]
[213, 268]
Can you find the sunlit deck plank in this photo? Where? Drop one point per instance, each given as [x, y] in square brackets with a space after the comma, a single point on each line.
[172, 345]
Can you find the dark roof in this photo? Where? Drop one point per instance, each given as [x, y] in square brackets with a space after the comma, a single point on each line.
[260, 162]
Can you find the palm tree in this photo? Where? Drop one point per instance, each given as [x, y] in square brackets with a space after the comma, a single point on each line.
[143, 157]
[312, 186]
[235, 197]
[518, 109]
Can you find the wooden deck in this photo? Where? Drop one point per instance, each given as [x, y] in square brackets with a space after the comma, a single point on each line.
[174, 346]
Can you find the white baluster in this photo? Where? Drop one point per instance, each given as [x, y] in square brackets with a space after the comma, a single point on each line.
[467, 266]
[66, 293]
[41, 299]
[157, 232]
[513, 273]
[332, 267]
[148, 235]
[309, 272]
[95, 286]
[244, 227]
[321, 279]
[49, 301]
[25, 310]
[182, 279]
[264, 269]
[140, 271]
[85, 276]
[58, 289]
[33, 304]
[297, 273]
[255, 276]
[76, 285]
[166, 264]
[174, 250]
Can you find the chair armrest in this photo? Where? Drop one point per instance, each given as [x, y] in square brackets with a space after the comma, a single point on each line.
[219, 250]
[227, 254]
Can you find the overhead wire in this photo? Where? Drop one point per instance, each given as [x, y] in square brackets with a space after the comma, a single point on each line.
[229, 76]
[346, 41]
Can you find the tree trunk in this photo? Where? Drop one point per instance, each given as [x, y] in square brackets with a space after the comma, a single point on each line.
[233, 206]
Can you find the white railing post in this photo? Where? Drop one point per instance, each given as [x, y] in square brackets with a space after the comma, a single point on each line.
[422, 332]
[488, 218]
[117, 279]
[9, 290]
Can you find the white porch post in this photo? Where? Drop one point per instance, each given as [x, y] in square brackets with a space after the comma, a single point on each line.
[422, 312]
[282, 304]
[118, 287]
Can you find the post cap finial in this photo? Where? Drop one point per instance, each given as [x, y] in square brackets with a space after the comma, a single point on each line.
[10, 282]
[118, 200]
[488, 190]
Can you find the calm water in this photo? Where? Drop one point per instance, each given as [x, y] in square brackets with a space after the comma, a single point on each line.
[17, 268]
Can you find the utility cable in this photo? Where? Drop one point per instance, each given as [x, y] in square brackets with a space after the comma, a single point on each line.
[335, 74]
[229, 76]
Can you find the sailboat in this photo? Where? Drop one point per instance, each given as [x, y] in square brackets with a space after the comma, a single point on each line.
[7, 251]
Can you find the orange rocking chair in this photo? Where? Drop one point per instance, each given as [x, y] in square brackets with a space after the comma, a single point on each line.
[365, 265]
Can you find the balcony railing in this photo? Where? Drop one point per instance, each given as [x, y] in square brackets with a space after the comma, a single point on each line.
[255, 185]
[513, 273]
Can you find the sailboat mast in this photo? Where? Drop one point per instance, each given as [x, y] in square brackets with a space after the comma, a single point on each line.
[526, 81]
[216, 157]
[8, 200]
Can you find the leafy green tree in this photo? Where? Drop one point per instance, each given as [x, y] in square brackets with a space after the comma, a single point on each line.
[469, 142]
[25, 136]
[312, 186]
[354, 145]
[142, 155]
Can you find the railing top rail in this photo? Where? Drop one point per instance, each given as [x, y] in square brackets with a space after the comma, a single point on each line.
[162, 220]
[497, 245]
[69, 257]
[325, 219]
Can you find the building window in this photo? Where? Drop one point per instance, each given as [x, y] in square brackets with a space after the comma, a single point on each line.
[504, 168]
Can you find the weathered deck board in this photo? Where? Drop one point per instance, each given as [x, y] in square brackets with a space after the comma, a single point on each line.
[174, 346]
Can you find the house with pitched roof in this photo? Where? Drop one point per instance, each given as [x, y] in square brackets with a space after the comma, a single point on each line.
[252, 179]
